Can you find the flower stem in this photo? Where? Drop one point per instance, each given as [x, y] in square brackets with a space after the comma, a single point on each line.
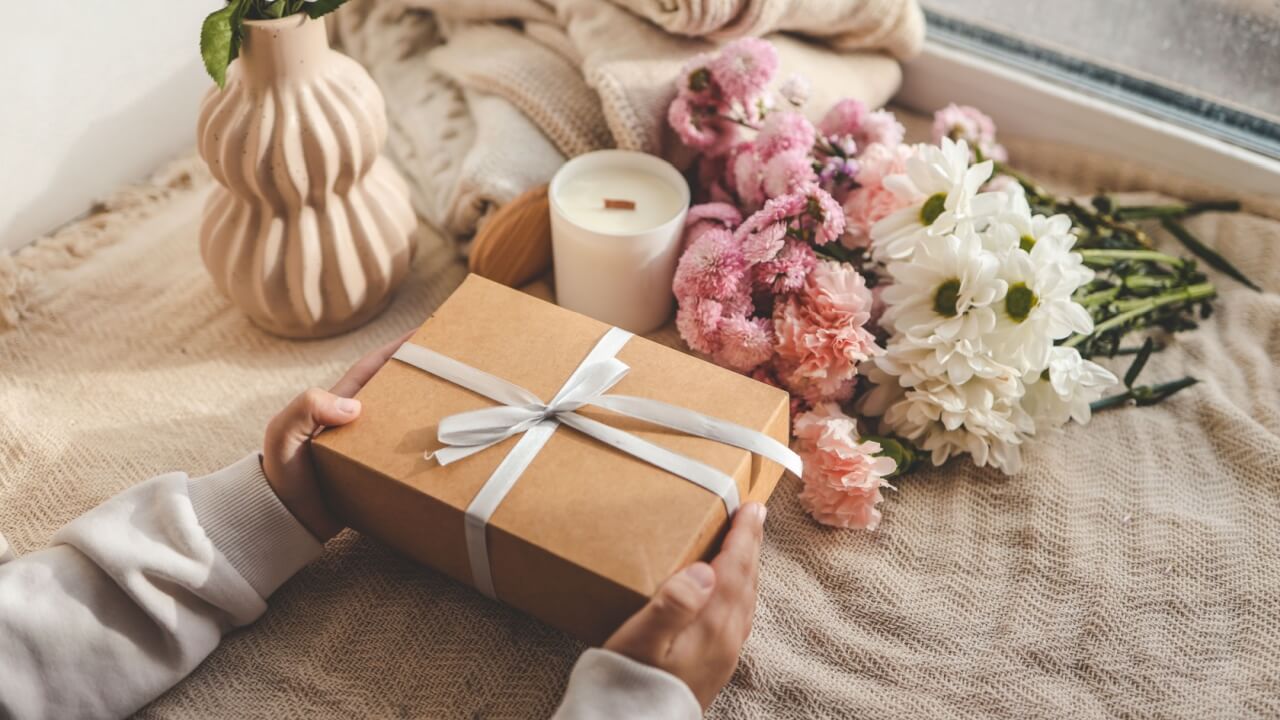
[1179, 210]
[1141, 306]
[1105, 258]
[1144, 394]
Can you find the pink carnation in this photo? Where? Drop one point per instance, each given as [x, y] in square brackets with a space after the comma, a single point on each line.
[880, 127]
[822, 335]
[744, 342]
[844, 118]
[787, 172]
[963, 122]
[743, 68]
[872, 202]
[786, 272]
[785, 132]
[842, 476]
[712, 267]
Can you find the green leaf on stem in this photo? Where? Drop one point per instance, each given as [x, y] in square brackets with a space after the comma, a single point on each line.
[322, 7]
[217, 36]
[1206, 253]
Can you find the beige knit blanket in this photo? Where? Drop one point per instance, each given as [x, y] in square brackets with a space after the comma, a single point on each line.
[486, 98]
[1132, 569]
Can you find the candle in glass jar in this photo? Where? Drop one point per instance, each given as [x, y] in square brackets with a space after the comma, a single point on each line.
[616, 220]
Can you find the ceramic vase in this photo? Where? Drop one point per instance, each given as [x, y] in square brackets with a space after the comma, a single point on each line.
[309, 229]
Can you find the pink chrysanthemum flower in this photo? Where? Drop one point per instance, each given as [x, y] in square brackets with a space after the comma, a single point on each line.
[844, 118]
[776, 210]
[709, 216]
[723, 214]
[743, 68]
[785, 132]
[963, 122]
[712, 267]
[698, 321]
[786, 272]
[744, 342]
[822, 335]
[880, 127]
[842, 475]
[787, 172]
[764, 244]
[700, 127]
[747, 176]
[695, 78]
[826, 215]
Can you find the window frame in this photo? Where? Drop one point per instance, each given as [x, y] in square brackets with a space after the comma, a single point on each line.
[1028, 105]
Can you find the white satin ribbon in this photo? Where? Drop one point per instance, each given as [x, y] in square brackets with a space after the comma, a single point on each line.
[522, 412]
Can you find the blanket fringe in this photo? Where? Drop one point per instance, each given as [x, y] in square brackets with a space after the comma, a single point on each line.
[23, 271]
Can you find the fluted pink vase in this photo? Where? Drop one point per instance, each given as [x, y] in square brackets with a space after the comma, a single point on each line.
[309, 230]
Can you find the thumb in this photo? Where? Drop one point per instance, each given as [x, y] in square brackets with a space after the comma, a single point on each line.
[312, 410]
[648, 634]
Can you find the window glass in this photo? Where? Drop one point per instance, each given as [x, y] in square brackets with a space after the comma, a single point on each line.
[1215, 63]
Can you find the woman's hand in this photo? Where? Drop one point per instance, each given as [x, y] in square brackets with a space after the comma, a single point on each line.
[694, 627]
[286, 451]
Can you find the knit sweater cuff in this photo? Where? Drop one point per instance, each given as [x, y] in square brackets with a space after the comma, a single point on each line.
[606, 684]
[247, 523]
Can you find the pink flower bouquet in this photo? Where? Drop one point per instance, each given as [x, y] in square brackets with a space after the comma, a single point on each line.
[952, 311]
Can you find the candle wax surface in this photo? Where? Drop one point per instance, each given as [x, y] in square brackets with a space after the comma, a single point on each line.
[582, 197]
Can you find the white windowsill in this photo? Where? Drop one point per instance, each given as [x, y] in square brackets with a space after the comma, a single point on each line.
[1025, 105]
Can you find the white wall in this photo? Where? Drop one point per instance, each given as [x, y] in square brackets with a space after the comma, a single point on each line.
[93, 94]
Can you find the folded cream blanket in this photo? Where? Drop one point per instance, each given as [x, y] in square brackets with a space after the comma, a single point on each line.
[487, 98]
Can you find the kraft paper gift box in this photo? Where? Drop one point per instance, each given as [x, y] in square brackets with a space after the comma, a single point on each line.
[588, 532]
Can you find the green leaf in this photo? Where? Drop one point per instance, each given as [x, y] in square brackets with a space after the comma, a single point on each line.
[275, 9]
[1206, 253]
[323, 7]
[216, 40]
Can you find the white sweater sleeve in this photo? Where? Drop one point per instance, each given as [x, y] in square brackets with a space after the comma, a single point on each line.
[132, 596]
[605, 684]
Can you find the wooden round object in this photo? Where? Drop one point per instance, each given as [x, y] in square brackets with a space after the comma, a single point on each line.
[514, 245]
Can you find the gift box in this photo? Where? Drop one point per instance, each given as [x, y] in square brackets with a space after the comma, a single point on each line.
[587, 531]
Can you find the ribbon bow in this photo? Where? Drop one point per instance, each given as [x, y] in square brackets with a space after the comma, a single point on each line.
[521, 412]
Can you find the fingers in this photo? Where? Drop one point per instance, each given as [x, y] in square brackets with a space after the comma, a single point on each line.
[738, 570]
[648, 635]
[365, 367]
[308, 412]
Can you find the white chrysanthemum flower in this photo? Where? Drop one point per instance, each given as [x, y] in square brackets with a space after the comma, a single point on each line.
[914, 360]
[1037, 308]
[1016, 227]
[949, 288]
[1073, 384]
[982, 417]
[943, 190]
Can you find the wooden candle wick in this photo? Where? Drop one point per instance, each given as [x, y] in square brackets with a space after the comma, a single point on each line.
[615, 204]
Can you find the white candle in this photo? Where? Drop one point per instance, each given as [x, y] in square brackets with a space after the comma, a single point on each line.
[616, 263]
